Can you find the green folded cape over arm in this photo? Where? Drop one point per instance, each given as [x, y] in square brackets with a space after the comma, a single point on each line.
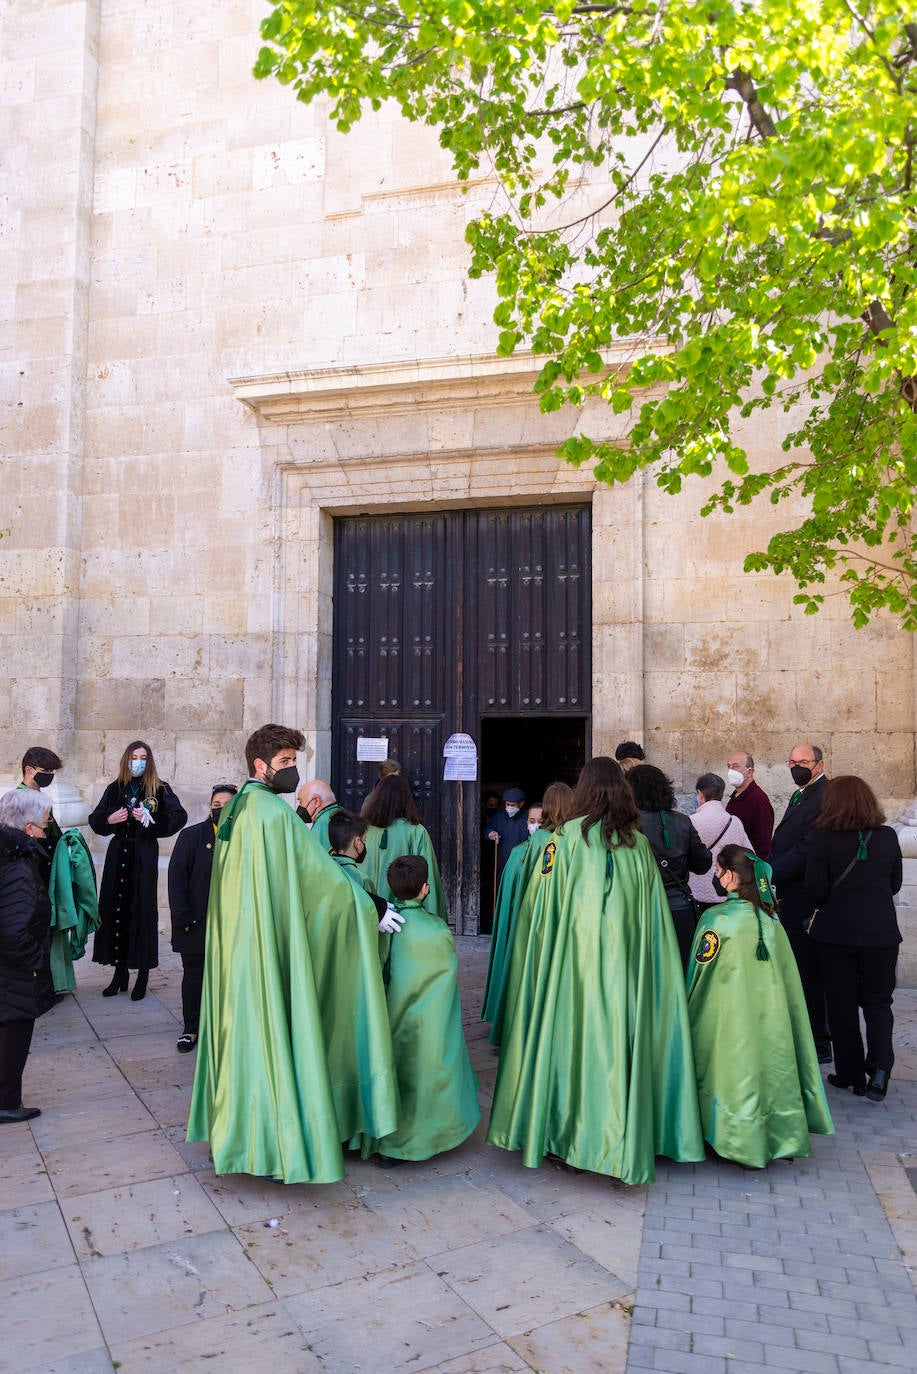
[74, 906]
[760, 1087]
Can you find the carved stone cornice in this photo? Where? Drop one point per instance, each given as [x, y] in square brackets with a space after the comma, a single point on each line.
[429, 384]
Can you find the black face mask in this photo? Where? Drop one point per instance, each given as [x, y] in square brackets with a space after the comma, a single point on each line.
[43, 779]
[215, 814]
[360, 858]
[800, 774]
[284, 779]
[718, 887]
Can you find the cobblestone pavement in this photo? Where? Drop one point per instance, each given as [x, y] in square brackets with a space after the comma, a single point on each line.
[119, 1247]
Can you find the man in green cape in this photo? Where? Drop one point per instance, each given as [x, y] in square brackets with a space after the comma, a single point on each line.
[295, 1052]
[596, 1065]
[317, 804]
[761, 1091]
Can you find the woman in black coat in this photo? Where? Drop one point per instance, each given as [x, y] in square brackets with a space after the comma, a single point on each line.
[853, 870]
[137, 810]
[26, 987]
[677, 846]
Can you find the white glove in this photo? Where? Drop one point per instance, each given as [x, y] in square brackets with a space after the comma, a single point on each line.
[391, 922]
[144, 818]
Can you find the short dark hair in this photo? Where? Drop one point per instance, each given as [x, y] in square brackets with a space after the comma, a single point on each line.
[406, 876]
[229, 787]
[37, 757]
[710, 785]
[629, 749]
[265, 743]
[849, 803]
[343, 828]
[652, 790]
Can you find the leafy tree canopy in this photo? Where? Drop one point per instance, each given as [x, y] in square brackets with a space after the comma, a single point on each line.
[731, 181]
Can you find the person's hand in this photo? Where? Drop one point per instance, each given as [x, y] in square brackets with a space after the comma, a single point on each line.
[391, 922]
[118, 817]
[141, 814]
[492, 835]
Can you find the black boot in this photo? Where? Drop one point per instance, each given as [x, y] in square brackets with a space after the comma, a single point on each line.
[138, 991]
[118, 983]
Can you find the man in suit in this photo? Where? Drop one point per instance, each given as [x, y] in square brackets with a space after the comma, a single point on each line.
[788, 855]
[189, 891]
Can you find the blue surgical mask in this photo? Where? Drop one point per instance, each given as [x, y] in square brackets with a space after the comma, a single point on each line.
[138, 768]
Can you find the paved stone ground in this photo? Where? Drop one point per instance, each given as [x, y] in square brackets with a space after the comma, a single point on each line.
[119, 1247]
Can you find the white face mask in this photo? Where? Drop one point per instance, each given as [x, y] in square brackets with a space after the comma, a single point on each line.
[735, 778]
[533, 826]
[513, 810]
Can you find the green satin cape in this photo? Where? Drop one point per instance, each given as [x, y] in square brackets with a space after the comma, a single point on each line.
[319, 828]
[352, 870]
[294, 1053]
[401, 837]
[74, 906]
[438, 1087]
[508, 895]
[596, 1063]
[761, 1091]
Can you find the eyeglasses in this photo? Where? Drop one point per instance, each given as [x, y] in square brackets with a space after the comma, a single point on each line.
[806, 763]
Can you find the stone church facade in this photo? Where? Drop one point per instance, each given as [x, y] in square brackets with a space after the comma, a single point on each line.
[227, 328]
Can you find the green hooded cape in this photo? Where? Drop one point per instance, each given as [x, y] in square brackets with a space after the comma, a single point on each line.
[438, 1087]
[761, 1091]
[74, 906]
[402, 837]
[295, 1052]
[596, 1064]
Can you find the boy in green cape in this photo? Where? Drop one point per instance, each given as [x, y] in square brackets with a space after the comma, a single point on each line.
[436, 1083]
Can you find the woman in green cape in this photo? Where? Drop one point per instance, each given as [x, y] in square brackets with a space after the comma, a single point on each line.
[596, 1066]
[761, 1092]
[395, 828]
[555, 808]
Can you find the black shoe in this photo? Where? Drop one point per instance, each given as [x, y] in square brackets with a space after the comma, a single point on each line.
[186, 1042]
[117, 984]
[19, 1114]
[856, 1088]
[138, 991]
[877, 1086]
[824, 1055]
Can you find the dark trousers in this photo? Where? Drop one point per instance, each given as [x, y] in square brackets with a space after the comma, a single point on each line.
[192, 986]
[15, 1039]
[856, 977]
[684, 920]
[804, 949]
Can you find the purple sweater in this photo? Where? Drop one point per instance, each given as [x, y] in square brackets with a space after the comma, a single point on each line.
[757, 815]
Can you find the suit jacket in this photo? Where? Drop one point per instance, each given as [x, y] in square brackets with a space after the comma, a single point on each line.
[859, 909]
[789, 851]
[189, 887]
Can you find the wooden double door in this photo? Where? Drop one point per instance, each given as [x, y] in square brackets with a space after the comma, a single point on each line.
[445, 622]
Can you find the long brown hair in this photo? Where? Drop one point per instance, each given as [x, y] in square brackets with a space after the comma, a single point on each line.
[150, 781]
[602, 795]
[391, 800]
[555, 805]
[738, 861]
[849, 803]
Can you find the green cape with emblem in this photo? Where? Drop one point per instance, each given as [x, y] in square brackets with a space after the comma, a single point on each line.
[383, 846]
[74, 906]
[437, 1085]
[596, 1064]
[295, 1051]
[760, 1087]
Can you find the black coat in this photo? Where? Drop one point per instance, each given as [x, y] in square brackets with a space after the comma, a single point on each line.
[128, 932]
[512, 831]
[26, 989]
[189, 887]
[686, 853]
[859, 911]
[789, 852]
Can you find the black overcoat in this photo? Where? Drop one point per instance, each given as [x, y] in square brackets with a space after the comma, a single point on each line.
[26, 987]
[128, 933]
[189, 887]
[859, 910]
[789, 852]
[686, 853]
